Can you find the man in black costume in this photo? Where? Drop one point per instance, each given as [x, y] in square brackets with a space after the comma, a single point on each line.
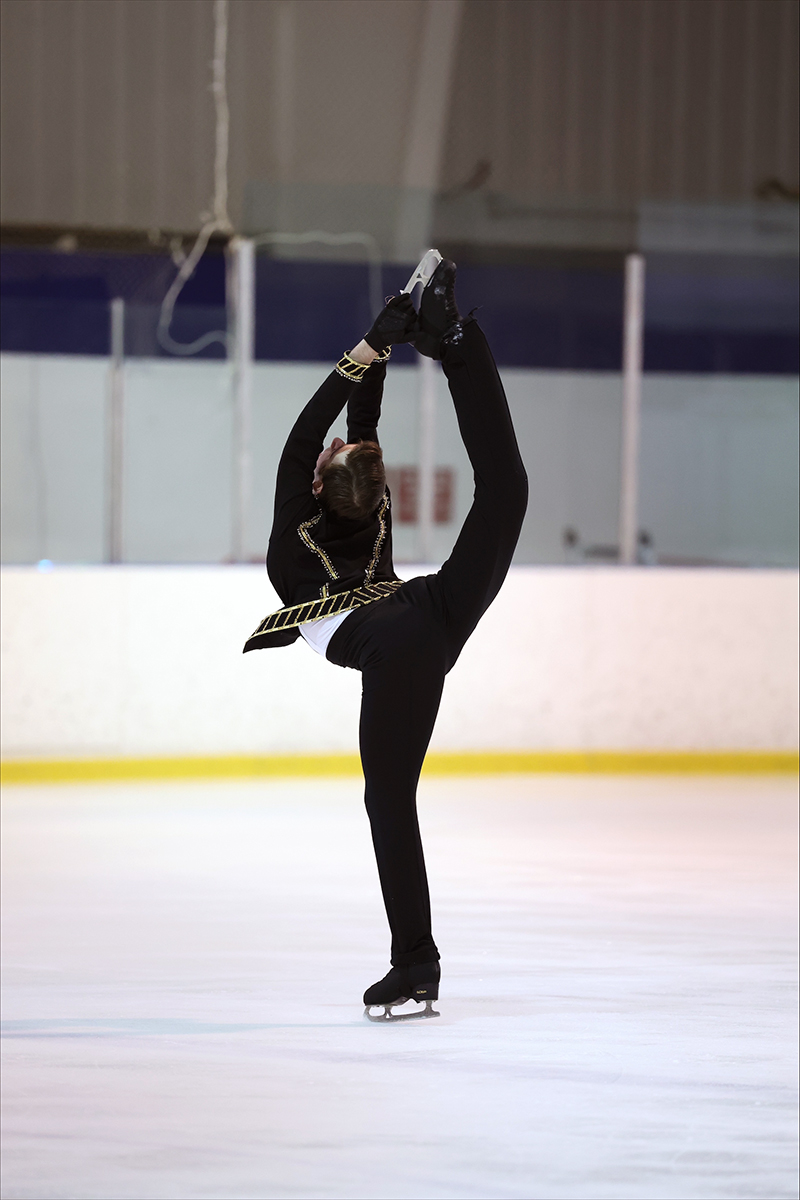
[330, 560]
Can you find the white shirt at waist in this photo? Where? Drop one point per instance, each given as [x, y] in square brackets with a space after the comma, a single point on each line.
[318, 633]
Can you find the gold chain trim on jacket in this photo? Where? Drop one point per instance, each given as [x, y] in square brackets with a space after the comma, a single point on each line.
[354, 371]
[376, 551]
[314, 548]
[313, 610]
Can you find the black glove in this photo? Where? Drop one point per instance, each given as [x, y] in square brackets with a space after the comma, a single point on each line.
[397, 323]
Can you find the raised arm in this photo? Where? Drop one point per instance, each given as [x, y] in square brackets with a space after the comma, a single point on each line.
[306, 440]
[396, 323]
[364, 405]
[354, 372]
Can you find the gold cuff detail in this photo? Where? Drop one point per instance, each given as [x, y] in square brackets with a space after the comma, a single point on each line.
[350, 369]
[354, 371]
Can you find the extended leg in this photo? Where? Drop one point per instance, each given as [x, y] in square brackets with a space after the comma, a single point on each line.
[479, 562]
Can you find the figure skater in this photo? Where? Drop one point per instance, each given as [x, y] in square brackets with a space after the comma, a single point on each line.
[330, 561]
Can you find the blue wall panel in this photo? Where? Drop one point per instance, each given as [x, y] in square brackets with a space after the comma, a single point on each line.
[740, 320]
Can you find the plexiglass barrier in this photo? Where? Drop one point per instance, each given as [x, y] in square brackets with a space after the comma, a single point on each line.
[718, 446]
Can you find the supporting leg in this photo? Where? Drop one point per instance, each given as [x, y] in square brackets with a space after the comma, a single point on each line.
[402, 687]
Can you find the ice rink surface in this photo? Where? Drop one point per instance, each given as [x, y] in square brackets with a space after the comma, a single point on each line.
[184, 967]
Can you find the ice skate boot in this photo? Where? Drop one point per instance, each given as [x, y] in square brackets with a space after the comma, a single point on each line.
[439, 318]
[419, 983]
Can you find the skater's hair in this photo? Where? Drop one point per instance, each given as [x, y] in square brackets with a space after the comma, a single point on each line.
[353, 488]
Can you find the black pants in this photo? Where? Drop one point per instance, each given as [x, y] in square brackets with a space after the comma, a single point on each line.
[405, 645]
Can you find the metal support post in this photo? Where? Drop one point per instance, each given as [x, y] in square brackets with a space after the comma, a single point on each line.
[427, 457]
[632, 359]
[244, 305]
[116, 399]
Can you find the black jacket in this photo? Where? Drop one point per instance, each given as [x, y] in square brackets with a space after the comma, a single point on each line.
[312, 553]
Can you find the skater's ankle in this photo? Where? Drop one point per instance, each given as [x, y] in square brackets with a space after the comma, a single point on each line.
[430, 964]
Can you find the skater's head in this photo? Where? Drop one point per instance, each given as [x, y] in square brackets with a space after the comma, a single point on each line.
[349, 478]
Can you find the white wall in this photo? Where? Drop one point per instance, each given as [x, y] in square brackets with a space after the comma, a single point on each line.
[147, 660]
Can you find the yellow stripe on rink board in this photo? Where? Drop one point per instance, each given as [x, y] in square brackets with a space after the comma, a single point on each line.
[613, 762]
[15, 771]
[217, 767]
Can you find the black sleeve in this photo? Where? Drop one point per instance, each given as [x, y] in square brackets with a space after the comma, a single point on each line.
[300, 454]
[364, 405]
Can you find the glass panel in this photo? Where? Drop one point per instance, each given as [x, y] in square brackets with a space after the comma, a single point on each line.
[719, 453]
[719, 450]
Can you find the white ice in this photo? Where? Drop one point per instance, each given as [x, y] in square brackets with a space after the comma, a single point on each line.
[185, 965]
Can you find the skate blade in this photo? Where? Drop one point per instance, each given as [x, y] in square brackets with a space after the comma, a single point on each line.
[423, 272]
[387, 1014]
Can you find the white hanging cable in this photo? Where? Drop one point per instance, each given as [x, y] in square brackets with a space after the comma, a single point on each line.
[219, 221]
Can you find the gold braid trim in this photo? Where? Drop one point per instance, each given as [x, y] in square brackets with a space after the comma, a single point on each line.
[354, 371]
[376, 550]
[314, 548]
[313, 610]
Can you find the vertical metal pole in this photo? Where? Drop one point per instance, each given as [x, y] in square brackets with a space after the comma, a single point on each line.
[427, 457]
[244, 306]
[632, 358]
[115, 433]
